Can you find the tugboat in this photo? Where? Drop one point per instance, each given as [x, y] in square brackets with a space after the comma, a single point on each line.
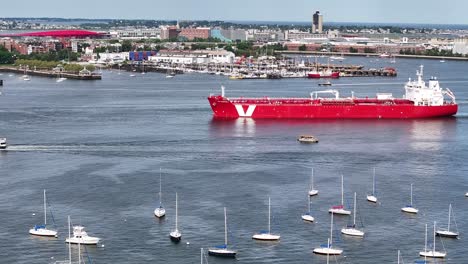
[3, 143]
[327, 83]
[307, 139]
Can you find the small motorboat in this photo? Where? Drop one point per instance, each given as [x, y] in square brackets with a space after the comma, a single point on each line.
[3, 143]
[81, 237]
[307, 139]
[327, 83]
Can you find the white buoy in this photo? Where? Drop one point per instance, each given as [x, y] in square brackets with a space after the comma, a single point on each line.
[34, 214]
[188, 243]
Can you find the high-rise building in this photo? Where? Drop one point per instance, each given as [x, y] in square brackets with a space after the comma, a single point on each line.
[317, 23]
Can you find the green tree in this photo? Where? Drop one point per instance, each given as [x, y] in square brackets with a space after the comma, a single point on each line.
[127, 45]
[303, 47]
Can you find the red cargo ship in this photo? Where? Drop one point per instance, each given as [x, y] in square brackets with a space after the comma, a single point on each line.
[420, 101]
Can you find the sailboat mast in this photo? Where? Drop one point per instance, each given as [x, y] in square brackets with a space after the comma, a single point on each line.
[398, 256]
[201, 256]
[160, 188]
[373, 183]
[309, 203]
[225, 227]
[450, 212]
[79, 251]
[176, 214]
[312, 181]
[331, 232]
[45, 208]
[425, 241]
[69, 244]
[434, 235]
[269, 215]
[342, 191]
[411, 196]
[354, 211]
[328, 252]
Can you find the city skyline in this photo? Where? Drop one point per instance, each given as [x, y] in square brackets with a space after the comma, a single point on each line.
[366, 11]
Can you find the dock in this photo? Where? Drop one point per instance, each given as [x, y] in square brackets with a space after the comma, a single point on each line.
[53, 74]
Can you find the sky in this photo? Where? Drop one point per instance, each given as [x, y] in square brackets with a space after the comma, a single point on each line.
[379, 11]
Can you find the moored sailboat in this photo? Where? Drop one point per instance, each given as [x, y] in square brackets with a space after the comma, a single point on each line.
[352, 230]
[432, 253]
[175, 235]
[223, 251]
[328, 248]
[312, 191]
[447, 232]
[307, 215]
[267, 235]
[160, 211]
[372, 198]
[409, 208]
[42, 230]
[340, 209]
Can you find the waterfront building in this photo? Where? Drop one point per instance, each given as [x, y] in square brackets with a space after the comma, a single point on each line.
[193, 57]
[460, 46]
[192, 33]
[234, 34]
[137, 33]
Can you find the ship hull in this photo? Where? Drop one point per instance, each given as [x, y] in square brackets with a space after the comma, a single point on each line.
[333, 75]
[307, 109]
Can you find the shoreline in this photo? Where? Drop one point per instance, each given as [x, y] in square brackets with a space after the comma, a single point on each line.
[292, 52]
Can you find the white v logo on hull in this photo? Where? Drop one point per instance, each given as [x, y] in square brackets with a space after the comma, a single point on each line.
[242, 113]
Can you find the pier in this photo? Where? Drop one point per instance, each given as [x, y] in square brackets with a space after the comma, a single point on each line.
[271, 69]
[54, 74]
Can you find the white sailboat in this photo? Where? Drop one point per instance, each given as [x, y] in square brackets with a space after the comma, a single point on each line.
[328, 248]
[372, 198]
[340, 209]
[160, 211]
[175, 235]
[267, 236]
[409, 208]
[41, 230]
[312, 191]
[223, 251]
[351, 230]
[432, 253]
[447, 232]
[307, 216]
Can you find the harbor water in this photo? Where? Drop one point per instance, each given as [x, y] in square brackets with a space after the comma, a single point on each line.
[97, 147]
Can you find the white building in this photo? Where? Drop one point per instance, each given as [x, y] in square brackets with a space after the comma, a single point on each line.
[140, 33]
[460, 46]
[113, 58]
[191, 57]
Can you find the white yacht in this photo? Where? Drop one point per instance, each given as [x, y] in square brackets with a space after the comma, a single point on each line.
[312, 191]
[372, 198]
[3, 143]
[432, 253]
[81, 237]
